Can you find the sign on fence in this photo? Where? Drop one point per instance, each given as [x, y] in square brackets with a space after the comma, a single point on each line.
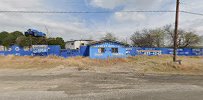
[149, 52]
[167, 51]
[40, 48]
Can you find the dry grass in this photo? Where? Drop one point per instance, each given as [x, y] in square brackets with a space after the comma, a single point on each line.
[140, 63]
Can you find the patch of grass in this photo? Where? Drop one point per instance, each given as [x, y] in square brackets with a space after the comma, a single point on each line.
[140, 63]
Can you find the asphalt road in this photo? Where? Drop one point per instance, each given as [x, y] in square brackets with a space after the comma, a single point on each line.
[99, 86]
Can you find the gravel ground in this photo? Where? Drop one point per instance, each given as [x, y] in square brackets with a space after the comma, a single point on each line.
[70, 84]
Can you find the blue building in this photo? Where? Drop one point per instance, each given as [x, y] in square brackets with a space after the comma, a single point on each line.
[107, 49]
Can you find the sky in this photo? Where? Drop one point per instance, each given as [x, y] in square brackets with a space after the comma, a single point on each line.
[96, 25]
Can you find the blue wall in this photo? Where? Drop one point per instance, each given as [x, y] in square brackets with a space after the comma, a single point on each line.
[70, 53]
[166, 51]
[84, 51]
[94, 53]
[17, 51]
[54, 50]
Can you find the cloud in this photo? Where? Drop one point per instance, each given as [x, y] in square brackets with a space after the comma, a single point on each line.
[123, 22]
[129, 5]
[20, 4]
[65, 26]
[135, 17]
[77, 26]
[108, 4]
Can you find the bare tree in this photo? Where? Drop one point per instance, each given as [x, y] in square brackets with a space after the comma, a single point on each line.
[148, 38]
[163, 37]
[109, 36]
[188, 39]
[158, 37]
[185, 39]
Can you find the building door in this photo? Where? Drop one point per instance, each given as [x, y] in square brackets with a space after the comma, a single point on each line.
[108, 53]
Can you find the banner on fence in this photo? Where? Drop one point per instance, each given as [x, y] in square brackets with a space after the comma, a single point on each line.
[166, 51]
[40, 48]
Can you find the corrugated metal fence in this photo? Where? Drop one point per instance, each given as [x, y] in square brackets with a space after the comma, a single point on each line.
[165, 51]
[84, 51]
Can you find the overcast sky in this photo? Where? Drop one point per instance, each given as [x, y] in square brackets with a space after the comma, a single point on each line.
[94, 26]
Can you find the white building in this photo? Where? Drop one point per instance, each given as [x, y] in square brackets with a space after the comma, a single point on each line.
[2, 48]
[75, 44]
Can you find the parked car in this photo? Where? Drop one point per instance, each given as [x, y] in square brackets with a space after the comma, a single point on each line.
[34, 33]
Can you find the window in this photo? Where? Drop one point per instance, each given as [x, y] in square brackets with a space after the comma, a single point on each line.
[114, 50]
[101, 50]
[82, 44]
[72, 43]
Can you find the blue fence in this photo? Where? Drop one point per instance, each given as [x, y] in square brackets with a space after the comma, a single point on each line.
[38, 51]
[54, 50]
[85, 51]
[16, 50]
[70, 53]
[165, 51]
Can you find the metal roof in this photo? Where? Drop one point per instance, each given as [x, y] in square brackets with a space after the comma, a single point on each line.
[79, 40]
[102, 41]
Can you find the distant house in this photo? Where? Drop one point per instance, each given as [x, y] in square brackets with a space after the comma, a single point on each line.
[107, 49]
[75, 44]
[2, 48]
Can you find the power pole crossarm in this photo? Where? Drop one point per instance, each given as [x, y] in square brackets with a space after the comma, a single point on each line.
[176, 31]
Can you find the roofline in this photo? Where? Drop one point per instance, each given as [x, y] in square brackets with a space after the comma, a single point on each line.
[79, 40]
[97, 42]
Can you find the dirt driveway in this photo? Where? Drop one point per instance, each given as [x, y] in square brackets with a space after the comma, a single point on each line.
[71, 84]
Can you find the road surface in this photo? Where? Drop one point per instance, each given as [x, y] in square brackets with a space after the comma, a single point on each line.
[84, 85]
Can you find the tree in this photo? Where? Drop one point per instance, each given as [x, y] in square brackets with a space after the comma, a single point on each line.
[38, 40]
[17, 37]
[61, 42]
[188, 39]
[201, 41]
[148, 38]
[23, 41]
[139, 39]
[9, 40]
[157, 37]
[16, 34]
[125, 41]
[185, 38]
[109, 36]
[3, 35]
[56, 41]
[163, 37]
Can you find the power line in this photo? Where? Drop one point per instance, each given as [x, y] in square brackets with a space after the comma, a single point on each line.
[86, 12]
[193, 13]
[61, 12]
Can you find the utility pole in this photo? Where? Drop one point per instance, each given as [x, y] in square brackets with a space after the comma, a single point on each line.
[175, 38]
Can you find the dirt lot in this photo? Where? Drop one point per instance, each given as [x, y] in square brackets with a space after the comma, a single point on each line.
[110, 81]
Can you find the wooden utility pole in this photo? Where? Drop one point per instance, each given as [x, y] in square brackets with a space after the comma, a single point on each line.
[176, 31]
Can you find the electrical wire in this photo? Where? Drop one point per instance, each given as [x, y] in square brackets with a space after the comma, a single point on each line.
[130, 11]
[86, 12]
[193, 13]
